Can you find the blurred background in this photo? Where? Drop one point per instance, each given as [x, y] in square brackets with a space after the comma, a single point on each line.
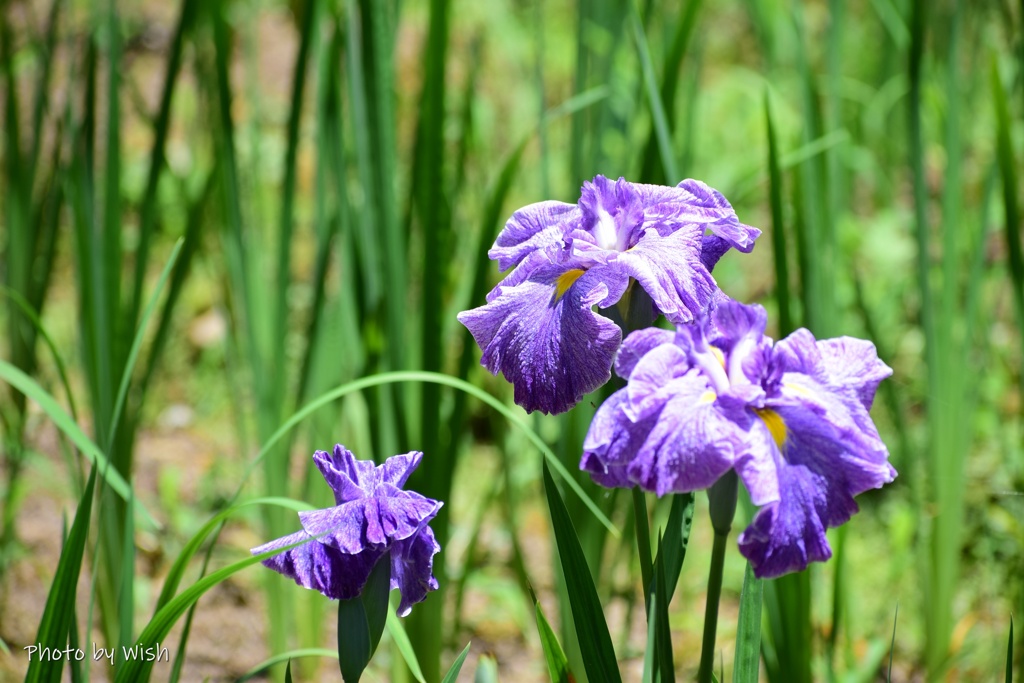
[214, 211]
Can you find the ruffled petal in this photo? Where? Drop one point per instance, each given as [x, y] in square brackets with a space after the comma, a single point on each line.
[853, 365]
[553, 348]
[670, 271]
[397, 468]
[403, 513]
[349, 477]
[707, 207]
[612, 442]
[412, 563]
[532, 228]
[819, 471]
[319, 567]
[349, 528]
[636, 345]
[690, 445]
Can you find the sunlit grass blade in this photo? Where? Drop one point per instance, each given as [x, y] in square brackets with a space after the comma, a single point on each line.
[271, 662]
[558, 664]
[133, 354]
[661, 126]
[55, 624]
[180, 564]
[456, 667]
[660, 598]
[137, 668]
[401, 640]
[651, 170]
[65, 424]
[149, 214]
[1011, 207]
[892, 644]
[643, 545]
[747, 662]
[780, 256]
[588, 616]
[418, 376]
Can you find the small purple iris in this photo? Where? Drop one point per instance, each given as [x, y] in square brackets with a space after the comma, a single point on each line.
[373, 515]
[538, 326]
[792, 419]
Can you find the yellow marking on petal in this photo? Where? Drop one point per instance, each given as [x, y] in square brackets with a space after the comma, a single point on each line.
[565, 280]
[707, 397]
[717, 353]
[775, 424]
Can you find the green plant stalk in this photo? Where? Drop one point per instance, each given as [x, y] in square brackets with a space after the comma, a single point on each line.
[722, 497]
[707, 648]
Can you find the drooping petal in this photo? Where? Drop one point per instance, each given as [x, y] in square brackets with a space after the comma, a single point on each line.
[612, 442]
[544, 337]
[670, 271]
[819, 471]
[412, 562]
[349, 528]
[319, 567]
[533, 228]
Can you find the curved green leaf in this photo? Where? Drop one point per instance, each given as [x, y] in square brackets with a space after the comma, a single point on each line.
[587, 614]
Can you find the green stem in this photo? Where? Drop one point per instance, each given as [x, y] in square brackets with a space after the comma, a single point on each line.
[643, 543]
[722, 508]
[707, 650]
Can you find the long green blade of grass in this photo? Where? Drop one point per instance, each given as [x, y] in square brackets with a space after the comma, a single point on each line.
[65, 424]
[55, 624]
[747, 662]
[587, 614]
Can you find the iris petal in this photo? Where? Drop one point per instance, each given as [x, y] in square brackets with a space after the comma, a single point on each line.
[553, 349]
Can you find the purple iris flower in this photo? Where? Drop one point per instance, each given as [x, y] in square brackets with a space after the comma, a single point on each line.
[373, 515]
[538, 326]
[791, 419]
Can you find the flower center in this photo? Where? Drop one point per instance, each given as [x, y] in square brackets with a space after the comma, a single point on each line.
[565, 281]
[775, 424]
[609, 231]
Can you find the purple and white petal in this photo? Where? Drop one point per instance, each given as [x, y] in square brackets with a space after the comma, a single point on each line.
[636, 345]
[708, 207]
[412, 563]
[533, 228]
[319, 567]
[612, 212]
[691, 443]
[544, 337]
[670, 271]
[397, 468]
[349, 528]
[612, 442]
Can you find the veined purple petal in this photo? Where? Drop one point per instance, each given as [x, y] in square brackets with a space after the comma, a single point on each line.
[707, 206]
[319, 567]
[691, 444]
[532, 228]
[544, 337]
[612, 212]
[670, 271]
[373, 515]
[412, 562]
[612, 442]
[349, 477]
[636, 345]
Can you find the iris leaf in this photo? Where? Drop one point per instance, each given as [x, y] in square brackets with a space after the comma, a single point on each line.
[587, 614]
